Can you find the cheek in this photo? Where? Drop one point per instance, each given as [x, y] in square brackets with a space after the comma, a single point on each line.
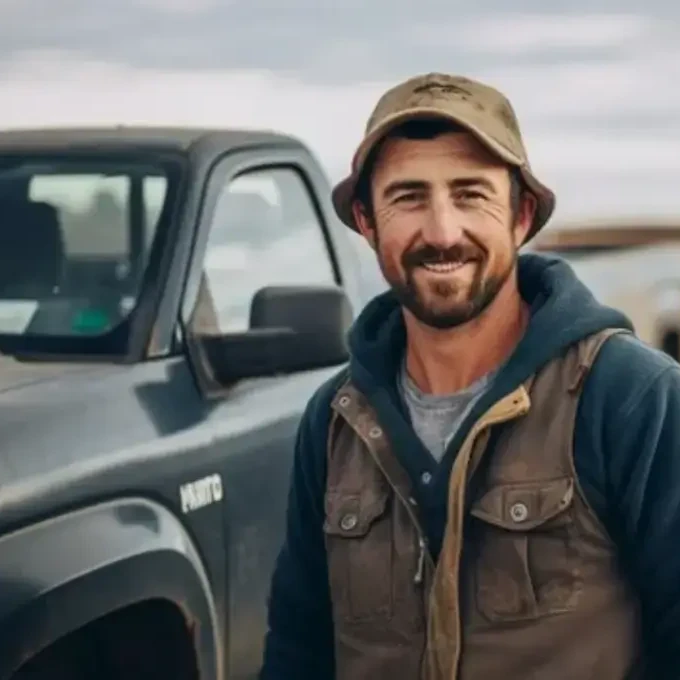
[395, 237]
[491, 228]
[390, 251]
[502, 249]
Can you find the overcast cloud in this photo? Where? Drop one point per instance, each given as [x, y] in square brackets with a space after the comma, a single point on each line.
[595, 85]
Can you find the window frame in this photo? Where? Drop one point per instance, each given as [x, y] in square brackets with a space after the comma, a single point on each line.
[224, 170]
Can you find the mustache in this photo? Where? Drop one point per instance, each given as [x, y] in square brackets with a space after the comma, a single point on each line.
[429, 254]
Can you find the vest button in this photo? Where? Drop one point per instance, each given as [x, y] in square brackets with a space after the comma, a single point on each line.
[519, 512]
[426, 477]
[348, 522]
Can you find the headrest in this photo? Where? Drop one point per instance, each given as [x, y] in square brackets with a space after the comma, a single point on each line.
[31, 249]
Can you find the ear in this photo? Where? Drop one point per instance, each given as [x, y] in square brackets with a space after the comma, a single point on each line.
[364, 223]
[525, 218]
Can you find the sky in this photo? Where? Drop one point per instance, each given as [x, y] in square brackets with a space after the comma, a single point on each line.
[595, 85]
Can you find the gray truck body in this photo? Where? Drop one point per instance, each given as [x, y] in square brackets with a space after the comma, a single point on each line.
[141, 507]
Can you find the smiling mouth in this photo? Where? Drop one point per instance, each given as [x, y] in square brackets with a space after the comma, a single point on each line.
[444, 267]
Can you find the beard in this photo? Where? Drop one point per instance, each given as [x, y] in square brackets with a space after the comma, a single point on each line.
[446, 303]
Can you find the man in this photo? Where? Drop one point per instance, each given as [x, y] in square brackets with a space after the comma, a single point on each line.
[492, 489]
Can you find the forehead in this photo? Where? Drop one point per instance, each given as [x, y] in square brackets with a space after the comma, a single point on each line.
[452, 154]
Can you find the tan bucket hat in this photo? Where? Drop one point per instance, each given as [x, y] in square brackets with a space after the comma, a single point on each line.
[479, 108]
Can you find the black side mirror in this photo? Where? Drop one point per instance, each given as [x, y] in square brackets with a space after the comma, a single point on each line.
[292, 329]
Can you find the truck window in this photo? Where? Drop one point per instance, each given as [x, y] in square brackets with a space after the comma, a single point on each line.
[94, 210]
[76, 235]
[264, 231]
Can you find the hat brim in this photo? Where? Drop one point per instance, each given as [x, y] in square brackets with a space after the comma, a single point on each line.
[343, 193]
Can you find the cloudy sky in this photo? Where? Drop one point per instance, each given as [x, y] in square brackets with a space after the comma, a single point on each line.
[596, 87]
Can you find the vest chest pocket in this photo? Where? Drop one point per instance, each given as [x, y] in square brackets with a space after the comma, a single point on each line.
[358, 532]
[524, 550]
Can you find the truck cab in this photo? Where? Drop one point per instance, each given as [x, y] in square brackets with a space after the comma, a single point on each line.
[169, 301]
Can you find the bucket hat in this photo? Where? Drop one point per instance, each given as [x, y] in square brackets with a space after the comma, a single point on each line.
[482, 110]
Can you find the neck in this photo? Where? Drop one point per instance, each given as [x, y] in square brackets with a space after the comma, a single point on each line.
[446, 361]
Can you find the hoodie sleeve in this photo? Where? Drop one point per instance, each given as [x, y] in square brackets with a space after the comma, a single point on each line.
[630, 420]
[299, 641]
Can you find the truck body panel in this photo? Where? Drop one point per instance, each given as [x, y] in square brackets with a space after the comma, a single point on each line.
[119, 466]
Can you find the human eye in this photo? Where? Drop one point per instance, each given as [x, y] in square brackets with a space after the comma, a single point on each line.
[410, 198]
[472, 195]
[405, 197]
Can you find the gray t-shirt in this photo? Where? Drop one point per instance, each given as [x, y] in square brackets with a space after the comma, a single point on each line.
[436, 418]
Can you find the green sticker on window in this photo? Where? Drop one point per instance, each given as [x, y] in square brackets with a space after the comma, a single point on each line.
[90, 321]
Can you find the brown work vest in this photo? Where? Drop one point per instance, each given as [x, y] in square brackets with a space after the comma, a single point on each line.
[527, 584]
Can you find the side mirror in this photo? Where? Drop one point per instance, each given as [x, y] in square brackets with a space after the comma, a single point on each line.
[292, 329]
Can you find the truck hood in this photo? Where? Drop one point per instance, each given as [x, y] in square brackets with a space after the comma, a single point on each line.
[65, 428]
[15, 374]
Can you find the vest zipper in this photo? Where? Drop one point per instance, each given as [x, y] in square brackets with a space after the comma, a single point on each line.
[422, 543]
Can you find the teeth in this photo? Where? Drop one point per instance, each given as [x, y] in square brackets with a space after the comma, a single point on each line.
[442, 267]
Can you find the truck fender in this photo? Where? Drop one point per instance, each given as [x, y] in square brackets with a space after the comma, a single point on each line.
[64, 572]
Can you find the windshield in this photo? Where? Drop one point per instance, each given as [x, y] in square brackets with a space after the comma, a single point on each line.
[75, 238]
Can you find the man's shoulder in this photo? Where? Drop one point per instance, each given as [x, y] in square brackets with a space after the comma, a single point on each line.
[629, 389]
[627, 366]
[631, 395]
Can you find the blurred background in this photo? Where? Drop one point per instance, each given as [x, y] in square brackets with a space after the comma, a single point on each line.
[595, 85]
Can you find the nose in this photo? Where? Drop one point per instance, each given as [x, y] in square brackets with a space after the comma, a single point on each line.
[444, 225]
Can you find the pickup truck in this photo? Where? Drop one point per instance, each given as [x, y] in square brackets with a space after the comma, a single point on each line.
[631, 265]
[169, 300]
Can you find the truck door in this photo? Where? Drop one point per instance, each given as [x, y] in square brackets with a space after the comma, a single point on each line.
[263, 228]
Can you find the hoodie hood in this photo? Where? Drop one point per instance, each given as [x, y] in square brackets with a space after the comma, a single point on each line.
[563, 311]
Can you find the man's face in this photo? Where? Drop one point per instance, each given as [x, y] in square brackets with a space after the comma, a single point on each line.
[443, 226]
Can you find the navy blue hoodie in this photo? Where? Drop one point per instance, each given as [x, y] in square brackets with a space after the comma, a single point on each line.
[626, 450]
